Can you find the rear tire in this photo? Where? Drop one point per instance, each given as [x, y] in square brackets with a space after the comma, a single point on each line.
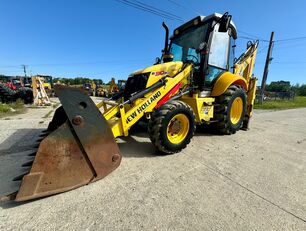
[230, 110]
[171, 127]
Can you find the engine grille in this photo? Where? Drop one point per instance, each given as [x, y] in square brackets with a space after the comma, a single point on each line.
[135, 83]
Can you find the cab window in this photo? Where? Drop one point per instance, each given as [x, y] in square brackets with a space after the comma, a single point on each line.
[219, 50]
[232, 54]
[218, 55]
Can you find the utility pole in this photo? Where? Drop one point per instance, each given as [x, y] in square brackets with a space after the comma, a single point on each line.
[25, 79]
[24, 70]
[266, 70]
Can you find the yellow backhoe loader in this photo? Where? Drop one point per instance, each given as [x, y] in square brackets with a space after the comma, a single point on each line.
[197, 81]
[114, 90]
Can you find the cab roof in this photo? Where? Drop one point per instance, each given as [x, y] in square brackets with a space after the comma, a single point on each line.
[215, 17]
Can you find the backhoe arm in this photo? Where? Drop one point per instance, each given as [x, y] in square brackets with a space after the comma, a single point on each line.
[244, 67]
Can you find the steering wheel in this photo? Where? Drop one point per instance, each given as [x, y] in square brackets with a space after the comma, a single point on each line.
[193, 59]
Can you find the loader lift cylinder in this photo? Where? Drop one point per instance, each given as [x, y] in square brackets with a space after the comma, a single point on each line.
[145, 91]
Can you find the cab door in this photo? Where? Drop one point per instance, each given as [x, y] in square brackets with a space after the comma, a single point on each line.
[218, 60]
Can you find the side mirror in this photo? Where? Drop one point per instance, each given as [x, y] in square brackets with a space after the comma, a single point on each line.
[224, 22]
[157, 61]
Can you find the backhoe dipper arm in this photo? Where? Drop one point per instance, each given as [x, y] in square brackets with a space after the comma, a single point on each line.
[244, 67]
[245, 63]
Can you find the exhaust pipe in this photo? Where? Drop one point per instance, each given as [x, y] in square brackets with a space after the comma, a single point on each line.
[166, 48]
[167, 56]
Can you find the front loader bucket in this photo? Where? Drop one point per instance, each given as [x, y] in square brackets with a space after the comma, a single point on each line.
[77, 148]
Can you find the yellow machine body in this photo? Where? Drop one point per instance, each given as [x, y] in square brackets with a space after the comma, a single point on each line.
[129, 116]
[225, 80]
[202, 106]
[173, 73]
[160, 71]
[79, 146]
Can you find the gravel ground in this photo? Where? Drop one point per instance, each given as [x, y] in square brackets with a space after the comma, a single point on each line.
[252, 180]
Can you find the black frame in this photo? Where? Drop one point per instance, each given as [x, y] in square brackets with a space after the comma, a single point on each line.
[204, 54]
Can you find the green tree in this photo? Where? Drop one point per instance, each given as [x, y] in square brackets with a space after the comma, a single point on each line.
[98, 81]
[296, 89]
[279, 86]
[302, 90]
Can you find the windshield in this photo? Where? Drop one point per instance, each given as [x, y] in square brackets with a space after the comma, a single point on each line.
[183, 46]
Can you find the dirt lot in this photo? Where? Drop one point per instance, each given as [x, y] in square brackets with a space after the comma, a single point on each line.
[252, 180]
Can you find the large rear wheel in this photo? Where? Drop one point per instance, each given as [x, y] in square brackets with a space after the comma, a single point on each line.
[171, 127]
[230, 110]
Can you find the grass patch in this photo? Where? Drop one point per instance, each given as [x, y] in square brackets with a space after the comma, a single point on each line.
[4, 108]
[298, 102]
[11, 108]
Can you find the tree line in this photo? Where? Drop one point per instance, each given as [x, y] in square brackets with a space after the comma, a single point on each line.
[285, 86]
[77, 81]
[277, 86]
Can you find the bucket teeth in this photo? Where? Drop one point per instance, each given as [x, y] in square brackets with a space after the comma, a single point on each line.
[77, 148]
[9, 197]
[20, 177]
[32, 154]
[42, 135]
[27, 164]
[12, 172]
[36, 145]
[40, 139]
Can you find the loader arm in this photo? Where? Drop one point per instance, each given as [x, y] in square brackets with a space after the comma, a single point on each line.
[131, 112]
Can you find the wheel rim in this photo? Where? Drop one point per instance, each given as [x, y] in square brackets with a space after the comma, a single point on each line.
[178, 128]
[236, 110]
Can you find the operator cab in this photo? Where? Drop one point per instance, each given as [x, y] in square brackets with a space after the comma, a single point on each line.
[209, 43]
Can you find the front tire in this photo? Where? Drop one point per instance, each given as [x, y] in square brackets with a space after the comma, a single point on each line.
[230, 110]
[171, 127]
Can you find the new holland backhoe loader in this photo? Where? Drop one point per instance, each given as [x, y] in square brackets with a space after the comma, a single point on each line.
[197, 81]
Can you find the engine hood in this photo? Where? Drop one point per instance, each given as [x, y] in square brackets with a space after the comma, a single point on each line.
[156, 72]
